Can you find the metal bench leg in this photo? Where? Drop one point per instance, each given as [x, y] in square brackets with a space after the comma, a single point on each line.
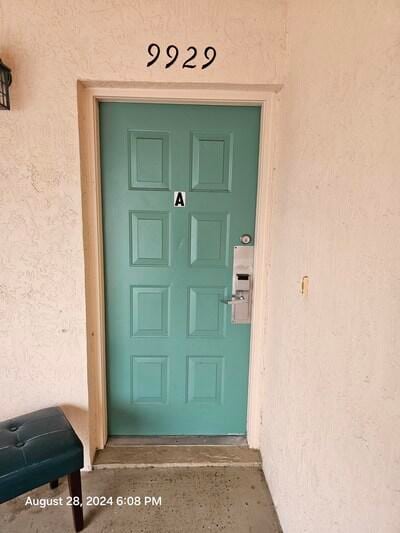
[75, 491]
[54, 484]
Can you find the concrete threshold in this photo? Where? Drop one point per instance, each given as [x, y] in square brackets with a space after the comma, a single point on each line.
[176, 456]
[177, 440]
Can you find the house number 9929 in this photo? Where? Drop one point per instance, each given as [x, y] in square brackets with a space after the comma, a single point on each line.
[172, 52]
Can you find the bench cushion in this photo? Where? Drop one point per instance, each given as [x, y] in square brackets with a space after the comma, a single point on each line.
[36, 448]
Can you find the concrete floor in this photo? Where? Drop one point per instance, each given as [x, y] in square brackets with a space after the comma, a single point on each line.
[193, 500]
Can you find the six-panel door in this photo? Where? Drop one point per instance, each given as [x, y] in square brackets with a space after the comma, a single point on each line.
[175, 363]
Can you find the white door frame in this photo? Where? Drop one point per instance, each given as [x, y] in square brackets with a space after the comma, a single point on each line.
[89, 95]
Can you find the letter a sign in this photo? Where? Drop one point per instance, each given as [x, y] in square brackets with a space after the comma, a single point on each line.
[179, 199]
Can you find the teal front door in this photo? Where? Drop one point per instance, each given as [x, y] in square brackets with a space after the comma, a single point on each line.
[176, 365]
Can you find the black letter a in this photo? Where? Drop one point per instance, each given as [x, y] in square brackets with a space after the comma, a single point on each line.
[179, 200]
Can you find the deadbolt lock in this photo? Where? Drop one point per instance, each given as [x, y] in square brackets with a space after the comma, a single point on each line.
[245, 238]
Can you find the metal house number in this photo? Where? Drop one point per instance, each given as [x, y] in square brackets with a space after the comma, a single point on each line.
[172, 52]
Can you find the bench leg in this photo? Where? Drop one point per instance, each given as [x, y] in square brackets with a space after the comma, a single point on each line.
[75, 491]
[54, 484]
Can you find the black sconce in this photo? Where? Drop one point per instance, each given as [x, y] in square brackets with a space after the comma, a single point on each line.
[5, 82]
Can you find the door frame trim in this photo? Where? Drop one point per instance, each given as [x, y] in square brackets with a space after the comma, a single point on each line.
[89, 95]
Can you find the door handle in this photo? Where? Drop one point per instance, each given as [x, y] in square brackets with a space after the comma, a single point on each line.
[234, 300]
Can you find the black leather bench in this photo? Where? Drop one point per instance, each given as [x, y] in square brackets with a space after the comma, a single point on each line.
[39, 448]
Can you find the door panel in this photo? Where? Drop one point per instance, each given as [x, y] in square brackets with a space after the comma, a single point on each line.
[176, 365]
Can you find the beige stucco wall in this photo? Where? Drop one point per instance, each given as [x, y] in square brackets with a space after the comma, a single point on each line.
[50, 45]
[331, 416]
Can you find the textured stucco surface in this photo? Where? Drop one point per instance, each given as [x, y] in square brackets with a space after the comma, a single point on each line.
[331, 416]
[50, 45]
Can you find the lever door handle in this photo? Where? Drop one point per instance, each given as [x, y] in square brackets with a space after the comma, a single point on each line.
[235, 299]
